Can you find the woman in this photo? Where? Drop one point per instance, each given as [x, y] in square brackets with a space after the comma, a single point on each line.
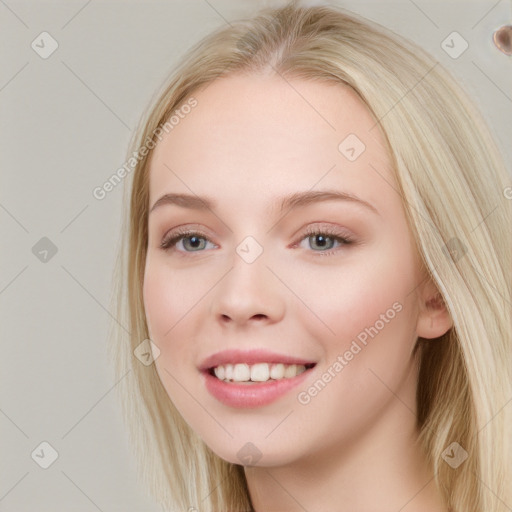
[318, 246]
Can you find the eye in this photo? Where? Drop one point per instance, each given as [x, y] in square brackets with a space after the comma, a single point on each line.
[323, 240]
[192, 240]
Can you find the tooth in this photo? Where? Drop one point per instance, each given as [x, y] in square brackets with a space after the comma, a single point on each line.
[260, 372]
[220, 372]
[290, 371]
[241, 372]
[277, 371]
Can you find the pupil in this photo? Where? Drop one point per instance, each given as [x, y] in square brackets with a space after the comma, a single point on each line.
[193, 242]
[321, 240]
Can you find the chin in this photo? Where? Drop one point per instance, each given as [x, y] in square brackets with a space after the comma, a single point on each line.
[249, 453]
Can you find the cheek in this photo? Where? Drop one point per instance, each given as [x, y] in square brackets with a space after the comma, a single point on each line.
[165, 301]
[174, 301]
[158, 303]
[343, 299]
[169, 296]
[169, 300]
[363, 309]
[371, 310]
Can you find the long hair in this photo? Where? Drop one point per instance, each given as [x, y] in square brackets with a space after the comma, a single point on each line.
[453, 184]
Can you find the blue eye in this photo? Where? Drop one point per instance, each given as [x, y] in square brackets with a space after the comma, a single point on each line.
[190, 239]
[324, 239]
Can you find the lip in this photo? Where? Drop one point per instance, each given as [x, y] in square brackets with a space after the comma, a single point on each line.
[250, 395]
[254, 356]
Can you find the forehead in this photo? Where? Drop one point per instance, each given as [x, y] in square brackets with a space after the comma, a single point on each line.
[263, 136]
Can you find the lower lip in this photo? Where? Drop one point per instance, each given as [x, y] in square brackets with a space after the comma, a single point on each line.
[251, 395]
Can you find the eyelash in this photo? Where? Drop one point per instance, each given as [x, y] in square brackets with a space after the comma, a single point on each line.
[169, 242]
[332, 234]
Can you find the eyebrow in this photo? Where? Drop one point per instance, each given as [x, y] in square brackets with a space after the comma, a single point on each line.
[285, 203]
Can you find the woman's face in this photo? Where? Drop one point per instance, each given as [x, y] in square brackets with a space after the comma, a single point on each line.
[323, 280]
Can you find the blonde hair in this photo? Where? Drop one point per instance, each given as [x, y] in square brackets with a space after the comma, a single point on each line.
[452, 182]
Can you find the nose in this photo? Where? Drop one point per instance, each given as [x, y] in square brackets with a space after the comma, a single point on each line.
[249, 293]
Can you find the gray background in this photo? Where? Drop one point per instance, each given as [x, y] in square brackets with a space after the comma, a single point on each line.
[65, 125]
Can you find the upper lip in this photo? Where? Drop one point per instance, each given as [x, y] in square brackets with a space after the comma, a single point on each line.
[254, 356]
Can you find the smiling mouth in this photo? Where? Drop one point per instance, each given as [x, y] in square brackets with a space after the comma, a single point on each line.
[242, 373]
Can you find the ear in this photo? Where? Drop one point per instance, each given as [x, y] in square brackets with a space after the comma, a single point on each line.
[434, 320]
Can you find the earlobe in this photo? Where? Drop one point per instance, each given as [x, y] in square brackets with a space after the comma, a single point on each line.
[434, 320]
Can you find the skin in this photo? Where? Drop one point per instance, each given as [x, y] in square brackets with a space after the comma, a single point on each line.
[250, 140]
